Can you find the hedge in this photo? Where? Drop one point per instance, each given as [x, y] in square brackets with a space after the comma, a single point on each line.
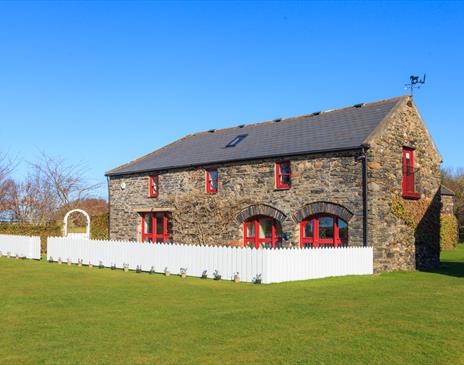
[99, 227]
[449, 232]
[26, 229]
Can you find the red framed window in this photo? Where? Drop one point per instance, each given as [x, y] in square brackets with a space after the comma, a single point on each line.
[263, 232]
[156, 227]
[153, 188]
[323, 230]
[212, 180]
[409, 183]
[283, 175]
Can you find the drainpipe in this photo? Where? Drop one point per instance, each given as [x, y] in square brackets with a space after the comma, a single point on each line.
[363, 158]
[109, 206]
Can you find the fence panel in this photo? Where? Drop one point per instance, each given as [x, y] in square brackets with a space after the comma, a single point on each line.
[22, 246]
[274, 265]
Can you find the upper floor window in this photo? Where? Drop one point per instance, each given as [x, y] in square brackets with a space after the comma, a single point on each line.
[409, 181]
[283, 175]
[211, 181]
[156, 227]
[153, 189]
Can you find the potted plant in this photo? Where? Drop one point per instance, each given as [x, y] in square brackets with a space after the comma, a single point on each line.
[79, 262]
[152, 270]
[166, 272]
[69, 262]
[236, 278]
[100, 265]
[217, 275]
[138, 269]
[258, 279]
[204, 274]
[183, 272]
[90, 264]
[125, 267]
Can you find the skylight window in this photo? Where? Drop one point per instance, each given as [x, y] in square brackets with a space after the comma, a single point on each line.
[236, 140]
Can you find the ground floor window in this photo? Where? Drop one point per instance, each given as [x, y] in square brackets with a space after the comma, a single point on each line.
[156, 227]
[323, 230]
[262, 231]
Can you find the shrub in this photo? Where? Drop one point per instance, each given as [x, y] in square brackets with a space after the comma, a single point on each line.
[449, 233]
[26, 229]
[99, 227]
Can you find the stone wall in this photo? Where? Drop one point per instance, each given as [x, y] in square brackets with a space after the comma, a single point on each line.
[447, 204]
[404, 233]
[214, 218]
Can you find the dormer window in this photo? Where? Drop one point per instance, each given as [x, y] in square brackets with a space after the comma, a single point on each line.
[283, 175]
[212, 181]
[153, 188]
[237, 140]
[409, 181]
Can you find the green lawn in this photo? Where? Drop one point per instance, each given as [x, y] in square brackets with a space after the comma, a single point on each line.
[56, 314]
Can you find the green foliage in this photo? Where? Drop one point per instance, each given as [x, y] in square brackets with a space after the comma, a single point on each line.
[59, 314]
[25, 229]
[449, 233]
[398, 208]
[99, 227]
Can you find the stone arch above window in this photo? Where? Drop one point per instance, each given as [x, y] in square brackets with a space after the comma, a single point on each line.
[320, 208]
[260, 209]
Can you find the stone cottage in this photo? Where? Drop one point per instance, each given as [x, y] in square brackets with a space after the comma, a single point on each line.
[367, 175]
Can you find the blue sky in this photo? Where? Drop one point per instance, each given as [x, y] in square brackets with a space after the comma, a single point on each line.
[105, 82]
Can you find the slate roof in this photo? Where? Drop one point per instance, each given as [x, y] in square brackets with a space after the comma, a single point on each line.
[445, 191]
[339, 129]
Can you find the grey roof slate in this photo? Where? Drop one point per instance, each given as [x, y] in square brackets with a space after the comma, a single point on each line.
[445, 191]
[333, 130]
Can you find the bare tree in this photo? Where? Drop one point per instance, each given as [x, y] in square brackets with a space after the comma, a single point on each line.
[51, 184]
[7, 184]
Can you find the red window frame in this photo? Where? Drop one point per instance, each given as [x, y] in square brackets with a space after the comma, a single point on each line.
[152, 181]
[209, 189]
[256, 240]
[408, 181]
[315, 240]
[155, 236]
[279, 174]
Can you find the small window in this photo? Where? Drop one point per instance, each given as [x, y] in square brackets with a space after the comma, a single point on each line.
[212, 181]
[283, 175]
[153, 189]
[236, 140]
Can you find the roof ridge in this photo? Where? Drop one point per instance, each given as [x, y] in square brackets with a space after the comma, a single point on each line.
[285, 120]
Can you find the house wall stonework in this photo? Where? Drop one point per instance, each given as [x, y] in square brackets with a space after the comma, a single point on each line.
[199, 217]
[403, 242]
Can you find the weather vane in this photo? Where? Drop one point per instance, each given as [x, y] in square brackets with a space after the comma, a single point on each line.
[415, 83]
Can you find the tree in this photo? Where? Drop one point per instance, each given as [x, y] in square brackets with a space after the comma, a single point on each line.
[7, 184]
[51, 185]
[454, 179]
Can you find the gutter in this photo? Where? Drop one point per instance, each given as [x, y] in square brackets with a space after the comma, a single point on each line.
[363, 158]
[109, 206]
[235, 160]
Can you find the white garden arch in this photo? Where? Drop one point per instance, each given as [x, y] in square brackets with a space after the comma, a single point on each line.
[80, 235]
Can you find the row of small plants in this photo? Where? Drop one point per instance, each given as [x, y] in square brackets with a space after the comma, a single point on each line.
[182, 272]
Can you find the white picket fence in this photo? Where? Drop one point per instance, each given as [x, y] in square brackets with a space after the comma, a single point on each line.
[273, 265]
[22, 246]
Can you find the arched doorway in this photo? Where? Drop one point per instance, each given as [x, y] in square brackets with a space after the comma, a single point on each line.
[77, 235]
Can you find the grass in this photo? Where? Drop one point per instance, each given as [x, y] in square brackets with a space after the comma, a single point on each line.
[57, 314]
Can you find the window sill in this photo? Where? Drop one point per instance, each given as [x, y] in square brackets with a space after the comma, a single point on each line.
[411, 195]
[282, 188]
